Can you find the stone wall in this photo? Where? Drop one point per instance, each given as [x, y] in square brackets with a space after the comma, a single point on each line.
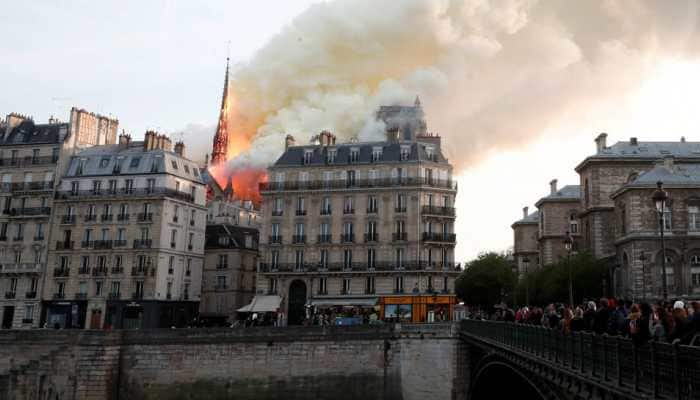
[366, 362]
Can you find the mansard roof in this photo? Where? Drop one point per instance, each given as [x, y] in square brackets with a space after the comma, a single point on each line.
[566, 193]
[391, 152]
[102, 160]
[27, 132]
[234, 237]
[683, 175]
[532, 218]
[634, 150]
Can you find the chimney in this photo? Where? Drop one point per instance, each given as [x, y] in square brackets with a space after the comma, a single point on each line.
[600, 142]
[288, 142]
[167, 143]
[668, 162]
[149, 141]
[180, 148]
[124, 140]
[525, 212]
[633, 141]
[682, 139]
[553, 186]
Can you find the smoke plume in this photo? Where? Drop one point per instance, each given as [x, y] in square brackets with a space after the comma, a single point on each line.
[490, 75]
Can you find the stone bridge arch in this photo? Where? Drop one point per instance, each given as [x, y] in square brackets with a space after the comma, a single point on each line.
[496, 377]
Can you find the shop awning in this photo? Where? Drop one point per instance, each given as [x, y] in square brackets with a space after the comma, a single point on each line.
[262, 304]
[345, 301]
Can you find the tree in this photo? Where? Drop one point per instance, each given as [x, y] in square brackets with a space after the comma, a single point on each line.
[551, 282]
[486, 281]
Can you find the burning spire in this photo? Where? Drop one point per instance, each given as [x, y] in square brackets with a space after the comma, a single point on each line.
[220, 147]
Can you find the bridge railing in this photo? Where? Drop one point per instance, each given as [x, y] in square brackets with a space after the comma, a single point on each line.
[658, 369]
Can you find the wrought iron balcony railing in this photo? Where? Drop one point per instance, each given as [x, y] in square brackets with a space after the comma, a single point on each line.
[356, 183]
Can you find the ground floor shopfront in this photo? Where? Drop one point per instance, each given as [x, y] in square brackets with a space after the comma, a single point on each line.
[19, 314]
[417, 307]
[119, 314]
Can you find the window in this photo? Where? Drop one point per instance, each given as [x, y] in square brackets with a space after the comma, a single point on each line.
[275, 230]
[33, 284]
[87, 235]
[371, 231]
[369, 285]
[376, 154]
[272, 285]
[223, 261]
[274, 258]
[445, 285]
[348, 207]
[176, 213]
[82, 287]
[301, 210]
[61, 289]
[221, 282]
[326, 206]
[346, 286]
[308, 154]
[116, 287]
[694, 218]
[371, 204]
[668, 218]
[350, 178]
[430, 153]
[121, 234]
[174, 164]
[188, 267]
[139, 289]
[98, 288]
[101, 262]
[169, 290]
[28, 313]
[695, 276]
[13, 285]
[171, 265]
[573, 223]
[123, 211]
[150, 185]
[398, 284]
[401, 202]
[330, 157]
[323, 259]
[299, 260]
[405, 152]
[135, 161]
[118, 261]
[398, 258]
[190, 241]
[118, 165]
[623, 219]
[74, 188]
[187, 168]
[129, 186]
[20, 232]
[104, 161]
[54, 154]
[278, 206]
[371, 258]
[323, 285]
[347, 258]
[354, 154]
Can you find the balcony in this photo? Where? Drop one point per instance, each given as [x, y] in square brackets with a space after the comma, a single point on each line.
[440, 211]
[277, 213]
[347, 238]
[30, 295]
[140, 271]
[325, 239]
[59, 295]
[372, 210]
[399, 236]
[275, 239]
[371, 237]
[28, 212]
[91, 218]
[358, 183]
[83, 270]
[130, 192]
[120, 243]
[68, 219]
[190, 247]
[300, 213]
[38, 238]
[23, 268]
[99, 271]
[81, 296]
[439, 237]
[170, 271]
[348, 211]
[61, 272]
[299, 239]
[137, 295]
[188, 273]
[64, 245]
[106, 217]
[145, 217]
[27, 161]
[117, 270]
[87, 244]
[3, 238]
[122, 217]
[142, 243]
[400, 209]
[18, 238]
[103, 244]
[221, 266]
[176, 219]
[326, 211]
[114, 296]
[10, 295]
[27, 186]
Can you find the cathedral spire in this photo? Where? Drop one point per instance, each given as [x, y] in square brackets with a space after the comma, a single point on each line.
[220, 146]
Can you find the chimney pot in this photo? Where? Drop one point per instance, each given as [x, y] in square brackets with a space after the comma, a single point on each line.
[180, 148]
[525, 212]
[682, 139]
[553, 186]
[289, 141]
[633, 141]
[600, 142]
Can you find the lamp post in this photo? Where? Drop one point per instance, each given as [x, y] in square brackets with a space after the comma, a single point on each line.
[568, 245]
[526, 264]
[643, 259]
[660, 197]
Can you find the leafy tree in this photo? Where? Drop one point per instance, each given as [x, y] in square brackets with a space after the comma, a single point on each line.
[487, 280]
[551, 282]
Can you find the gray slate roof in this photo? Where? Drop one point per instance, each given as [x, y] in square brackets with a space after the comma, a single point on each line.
[532, 218]
[27, 132]
[235, 234]
[391, 152]
[650, 150]
[679, 174]
[568, 192]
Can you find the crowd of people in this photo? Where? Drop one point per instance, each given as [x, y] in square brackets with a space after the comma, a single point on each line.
[642, 322]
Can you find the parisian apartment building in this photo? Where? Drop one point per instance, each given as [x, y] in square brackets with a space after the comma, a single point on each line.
[362, 224]
[126, 240]
[32, 158]
[616, 220]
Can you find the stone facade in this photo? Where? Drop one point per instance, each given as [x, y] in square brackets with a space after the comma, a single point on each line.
[230, 266]
[526, 252]
[127, 239]
[32, 157]
[558, 218]
[357, 221]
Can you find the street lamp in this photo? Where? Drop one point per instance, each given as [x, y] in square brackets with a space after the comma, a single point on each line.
[569, 245]
[660, 197]
[526, 264]
[643, 259]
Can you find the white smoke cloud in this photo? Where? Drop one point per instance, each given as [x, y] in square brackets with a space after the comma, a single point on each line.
[491, 75]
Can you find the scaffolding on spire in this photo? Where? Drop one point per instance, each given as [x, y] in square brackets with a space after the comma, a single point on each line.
[220, 145]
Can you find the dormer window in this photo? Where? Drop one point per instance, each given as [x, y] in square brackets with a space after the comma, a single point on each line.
[354, 155]
[376, 154]
[405, 152]
[174, 164]
[307, 156]
[330, 157]
[430, 153]
[135, 161]
[104, 162]
[118, 165]
[81, 165]
[223, 240]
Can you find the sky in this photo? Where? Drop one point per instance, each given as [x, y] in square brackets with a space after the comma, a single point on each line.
[517, 88]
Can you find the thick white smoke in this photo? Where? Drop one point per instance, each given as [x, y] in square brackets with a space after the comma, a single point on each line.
[491, 75]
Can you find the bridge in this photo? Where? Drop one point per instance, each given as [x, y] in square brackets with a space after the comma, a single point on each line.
[540, 363]
[470, 360]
